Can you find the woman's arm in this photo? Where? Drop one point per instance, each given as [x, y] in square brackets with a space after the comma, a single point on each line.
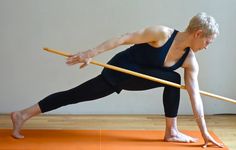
[191, 83]
[146, 35]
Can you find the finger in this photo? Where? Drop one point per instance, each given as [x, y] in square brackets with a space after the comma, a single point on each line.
[73, 62]
[221, 145]
[69, 60]
[74, 57]
[217, 144]
[87, 61]
[205, 145]
[71, 56]
[194, 140]
[83, 65]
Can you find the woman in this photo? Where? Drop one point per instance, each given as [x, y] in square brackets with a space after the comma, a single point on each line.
[156, 51]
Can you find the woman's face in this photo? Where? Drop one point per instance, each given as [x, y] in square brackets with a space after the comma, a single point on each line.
[201, 42]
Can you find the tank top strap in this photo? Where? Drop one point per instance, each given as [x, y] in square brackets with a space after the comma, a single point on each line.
[167, 45]
[181, 60]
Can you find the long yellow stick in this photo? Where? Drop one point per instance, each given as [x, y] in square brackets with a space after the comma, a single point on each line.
[143, 76]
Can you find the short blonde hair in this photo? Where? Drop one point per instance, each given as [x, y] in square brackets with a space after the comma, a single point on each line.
[204, 22]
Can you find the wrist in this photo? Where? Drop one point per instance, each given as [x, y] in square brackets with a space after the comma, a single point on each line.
[202, 124]
[199, 117]
[92, 53]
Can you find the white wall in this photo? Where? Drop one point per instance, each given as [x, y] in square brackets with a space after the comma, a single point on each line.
[28, 74]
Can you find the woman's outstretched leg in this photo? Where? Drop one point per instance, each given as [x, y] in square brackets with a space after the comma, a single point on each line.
[93, 89]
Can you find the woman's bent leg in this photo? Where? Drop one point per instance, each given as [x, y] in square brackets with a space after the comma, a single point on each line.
[171, 97]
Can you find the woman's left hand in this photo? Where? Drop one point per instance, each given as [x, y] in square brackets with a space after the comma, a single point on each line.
[208, 138]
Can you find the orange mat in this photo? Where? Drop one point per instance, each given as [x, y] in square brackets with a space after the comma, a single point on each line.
[97, 140]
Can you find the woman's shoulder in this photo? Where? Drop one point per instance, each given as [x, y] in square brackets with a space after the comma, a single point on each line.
[161, 33]
[191, 61]
[161, 30]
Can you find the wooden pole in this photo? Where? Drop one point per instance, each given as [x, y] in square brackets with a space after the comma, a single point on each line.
[143, 76]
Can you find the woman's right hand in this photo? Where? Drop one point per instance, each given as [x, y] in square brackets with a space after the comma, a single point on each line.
[208, 138]
[84, 58]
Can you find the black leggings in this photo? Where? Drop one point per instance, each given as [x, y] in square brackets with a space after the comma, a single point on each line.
[98, 87]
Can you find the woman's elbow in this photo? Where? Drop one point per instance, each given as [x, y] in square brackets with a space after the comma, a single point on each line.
[125, 39]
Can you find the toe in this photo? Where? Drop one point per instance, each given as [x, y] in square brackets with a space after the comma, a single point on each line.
[17, 136]
[193, 140]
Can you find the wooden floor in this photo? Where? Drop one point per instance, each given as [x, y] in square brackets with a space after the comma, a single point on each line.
[224, 126]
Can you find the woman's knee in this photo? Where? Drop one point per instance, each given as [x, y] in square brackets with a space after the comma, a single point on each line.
[175, 77]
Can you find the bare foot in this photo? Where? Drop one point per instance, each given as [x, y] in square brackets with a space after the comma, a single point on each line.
[17, 121]
[180, 137]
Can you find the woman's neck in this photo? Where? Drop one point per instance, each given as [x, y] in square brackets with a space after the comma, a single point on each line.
[183, 40]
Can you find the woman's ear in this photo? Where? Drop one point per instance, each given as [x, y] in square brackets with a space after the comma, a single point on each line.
[198, 33]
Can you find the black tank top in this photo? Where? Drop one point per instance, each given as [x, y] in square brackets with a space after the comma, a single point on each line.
[147, 55]
[142, 58]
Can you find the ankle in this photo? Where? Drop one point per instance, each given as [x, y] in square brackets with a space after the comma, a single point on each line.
[24, 116]
[171, 126]
[172, 132]
[20, 115]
